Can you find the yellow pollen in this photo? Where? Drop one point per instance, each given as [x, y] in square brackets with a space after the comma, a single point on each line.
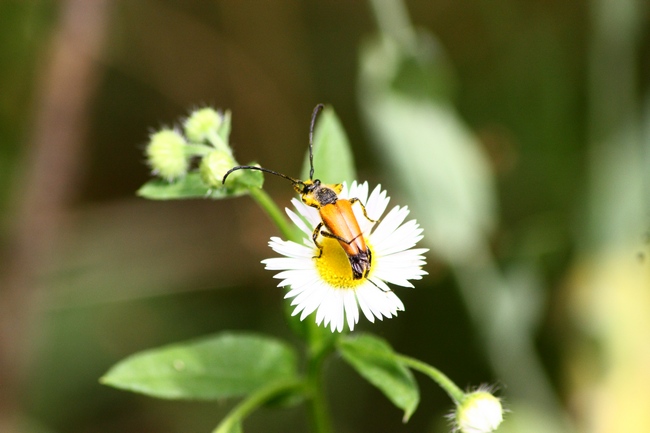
[334, 266]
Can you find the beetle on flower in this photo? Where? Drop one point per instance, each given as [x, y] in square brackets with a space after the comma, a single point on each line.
[338, 231]
[327, 285]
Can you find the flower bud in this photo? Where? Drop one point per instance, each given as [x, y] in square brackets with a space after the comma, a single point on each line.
[166, 154]
[202, 125]
[214, 167]
[479, 412]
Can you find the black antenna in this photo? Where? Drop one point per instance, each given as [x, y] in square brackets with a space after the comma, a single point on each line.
[317, 110]
[266, 170]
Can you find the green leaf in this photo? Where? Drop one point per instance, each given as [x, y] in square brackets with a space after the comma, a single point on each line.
[224, 128]
[225, 365]
[264, 395]
[192, 186]
[440, 163]
[375, 361]
[421, 78]
[244, 180]
[333, 159]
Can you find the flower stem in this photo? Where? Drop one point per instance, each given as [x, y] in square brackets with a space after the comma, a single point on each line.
[317, 403]
[193, 149]
[253, 401]
[318, 346]
[456, 394]
[274, 212]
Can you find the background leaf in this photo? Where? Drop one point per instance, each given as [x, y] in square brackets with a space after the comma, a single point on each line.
[441, 165]
[375, 361]
[226, 365]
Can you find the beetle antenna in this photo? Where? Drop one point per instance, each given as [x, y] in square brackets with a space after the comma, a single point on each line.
[317, 110]
[266, 170]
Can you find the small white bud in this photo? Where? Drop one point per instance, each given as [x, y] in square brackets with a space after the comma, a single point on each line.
[479, 412]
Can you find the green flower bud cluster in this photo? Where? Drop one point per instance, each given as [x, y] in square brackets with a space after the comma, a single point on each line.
[204, 137]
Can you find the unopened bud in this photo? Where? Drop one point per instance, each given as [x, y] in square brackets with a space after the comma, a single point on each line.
[479, 412]
[202, 125]
[214, 167]
[166, 154]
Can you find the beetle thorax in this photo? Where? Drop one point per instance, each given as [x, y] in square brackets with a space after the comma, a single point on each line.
[315, 194]
[324, 195]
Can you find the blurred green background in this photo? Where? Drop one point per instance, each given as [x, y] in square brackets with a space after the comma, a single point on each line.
[518, 131]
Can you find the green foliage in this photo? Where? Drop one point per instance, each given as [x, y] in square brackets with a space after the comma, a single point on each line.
[225, 365]
[375, 360]
[225, 127]
[424, 76]
[260, 369]
[404, 97]
[192, 186]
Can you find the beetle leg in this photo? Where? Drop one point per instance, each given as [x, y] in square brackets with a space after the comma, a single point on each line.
[318, 231]
[365, 214]
[339, 238]
[314, 237]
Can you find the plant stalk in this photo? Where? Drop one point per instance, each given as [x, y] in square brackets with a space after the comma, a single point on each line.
[274, 212]
[317, 403]
[456, 394]
[253, 401]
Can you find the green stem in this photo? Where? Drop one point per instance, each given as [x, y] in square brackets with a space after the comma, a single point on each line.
[317, 403]
[318, 347]
[218, 142]
[253, 401]
[456, 394]
[194, 149]
[274, 212]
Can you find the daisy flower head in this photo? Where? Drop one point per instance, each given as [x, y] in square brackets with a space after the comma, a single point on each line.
[322, 281]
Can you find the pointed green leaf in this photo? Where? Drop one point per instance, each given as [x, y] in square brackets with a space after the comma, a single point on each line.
[375, 361]
[225, 365]
[224, 128]
[333, 159]
[192, 186]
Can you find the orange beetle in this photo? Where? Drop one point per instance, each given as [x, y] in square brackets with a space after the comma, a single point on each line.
[337, 217]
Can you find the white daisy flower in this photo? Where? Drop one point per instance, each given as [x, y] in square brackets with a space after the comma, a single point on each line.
[326, 285]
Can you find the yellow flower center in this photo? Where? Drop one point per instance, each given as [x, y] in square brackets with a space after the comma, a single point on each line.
[334, 266]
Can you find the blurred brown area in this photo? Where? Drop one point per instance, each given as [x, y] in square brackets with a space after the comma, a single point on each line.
[89, 273]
